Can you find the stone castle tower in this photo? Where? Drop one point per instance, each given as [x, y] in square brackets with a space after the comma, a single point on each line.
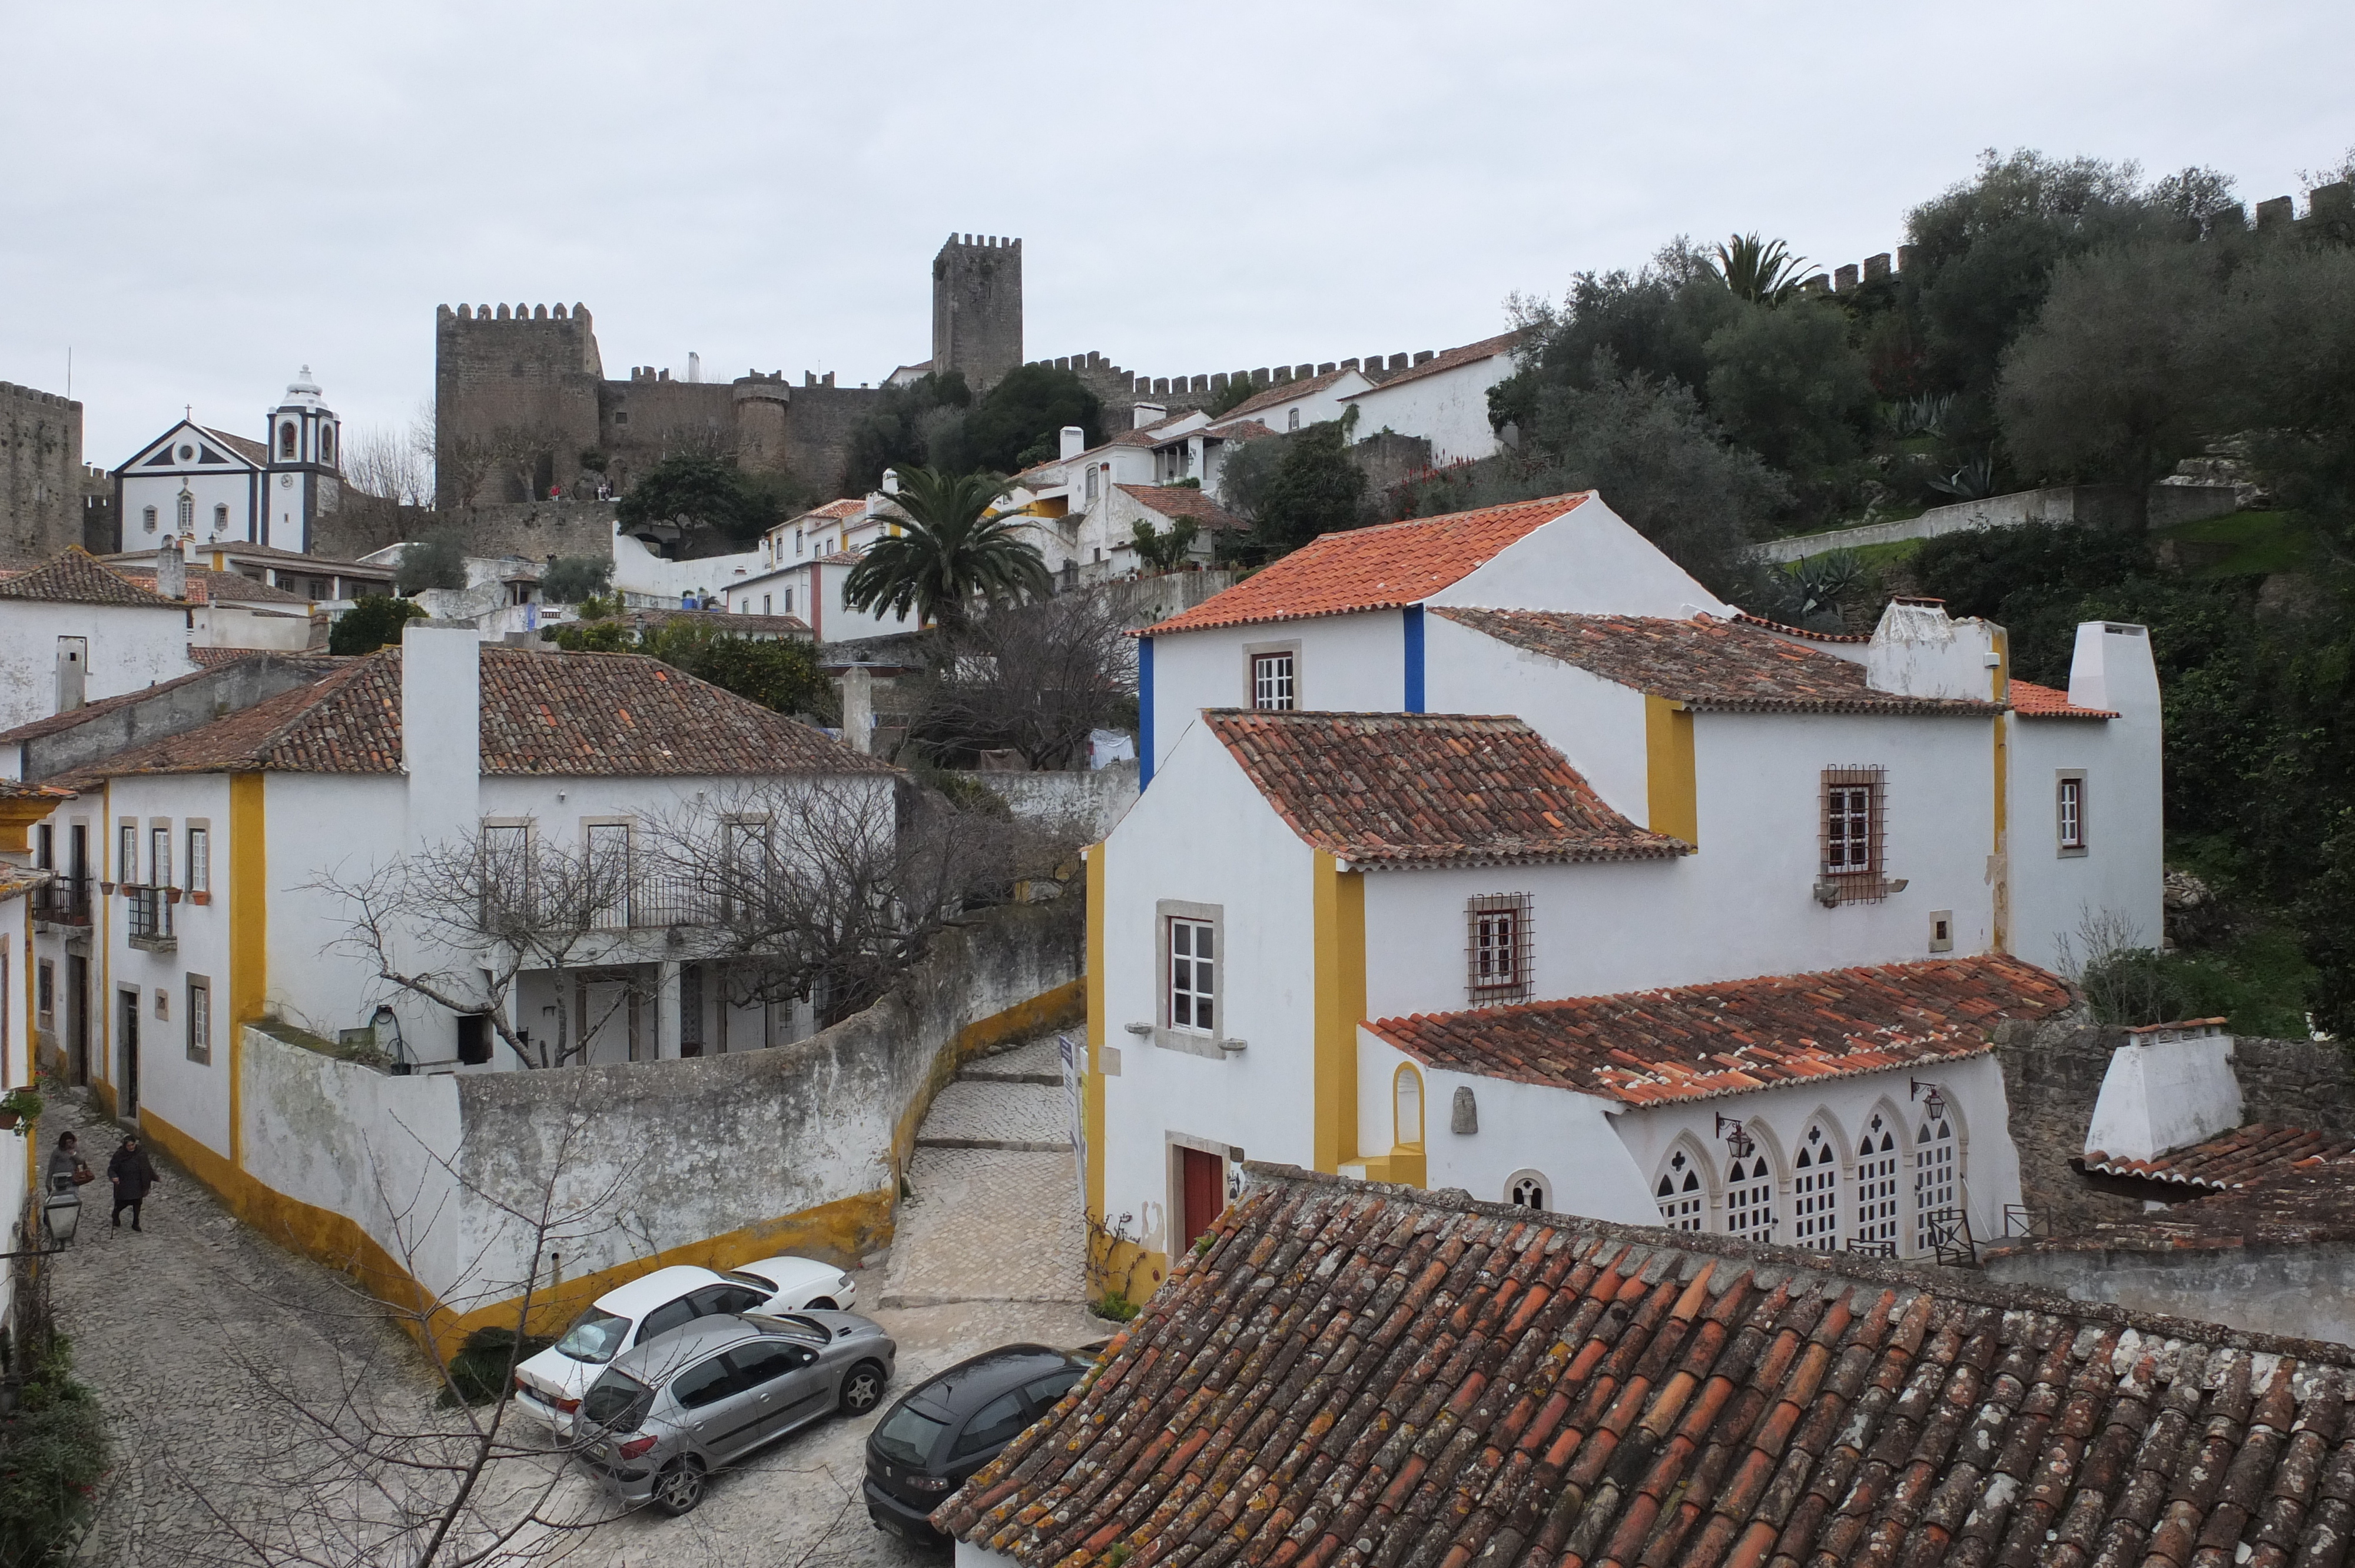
[977, 308]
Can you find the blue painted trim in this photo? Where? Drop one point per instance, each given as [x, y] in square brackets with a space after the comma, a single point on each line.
[1413, 617]
[1144, 712]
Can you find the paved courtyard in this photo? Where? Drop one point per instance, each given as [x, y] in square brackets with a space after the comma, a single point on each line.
[195, 1331]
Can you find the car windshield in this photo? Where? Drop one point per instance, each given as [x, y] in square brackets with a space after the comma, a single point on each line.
[908, 1436]
[802, 1329]
[618, 1402]
[594, 1336]
[765, 1287]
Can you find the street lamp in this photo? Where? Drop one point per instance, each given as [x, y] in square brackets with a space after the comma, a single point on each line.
[61, 1211]
[1933, 1099]
[1735, 1138]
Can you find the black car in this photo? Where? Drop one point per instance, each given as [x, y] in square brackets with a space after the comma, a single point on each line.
[944, 1429]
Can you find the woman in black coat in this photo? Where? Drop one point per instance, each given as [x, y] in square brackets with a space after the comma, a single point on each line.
[133, 1174]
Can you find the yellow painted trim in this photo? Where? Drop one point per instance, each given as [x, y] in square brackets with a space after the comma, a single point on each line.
[1999, 860]
[101, 1082]
[1338, 917]
[18, 816]
[1671, 787]
[249, 934]
[1091, 1091]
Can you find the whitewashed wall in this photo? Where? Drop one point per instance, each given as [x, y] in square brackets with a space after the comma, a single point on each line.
[1347, 664]
[1450, 409]
[131, 646]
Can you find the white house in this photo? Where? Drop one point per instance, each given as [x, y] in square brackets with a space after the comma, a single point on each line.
[1443, 400]
[195, 483]
[211, 847]
[25, 995]
[1294, 404]
[1504, 802]
[72, 631]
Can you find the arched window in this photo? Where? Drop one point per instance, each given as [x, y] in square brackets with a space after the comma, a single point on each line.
[186, 517]
[326, 443]
[1679, 1192]
[147, 518]
[1529, 1190]
[1814, 1192]
[1406, 1105]
[1933, 1182]
[1876, 1187]
[1749, 1197]
[220, 517]
[286, 440]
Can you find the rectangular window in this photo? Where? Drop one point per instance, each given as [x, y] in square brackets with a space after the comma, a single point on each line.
[45, 847]
[2069, 812]
[200, 1019]
[1092, 484]
[1192, 970]
[1497, 933]
[159, 847]
[506, 872]
[45, 982]
[1271, 685]
[126, 855]
[201, 860]
[1855, 823]
[797, 541]
[789, 601]
[609, 875]
[764, 605]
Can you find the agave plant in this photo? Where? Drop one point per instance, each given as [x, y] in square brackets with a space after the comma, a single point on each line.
[1762, 272]
[1974, 480]
[1813, 588]
[1922, 416]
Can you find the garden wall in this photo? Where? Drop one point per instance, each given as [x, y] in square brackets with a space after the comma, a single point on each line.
[2103, 505]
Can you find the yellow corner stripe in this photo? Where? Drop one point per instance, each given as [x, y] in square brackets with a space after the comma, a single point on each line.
[1672, 789]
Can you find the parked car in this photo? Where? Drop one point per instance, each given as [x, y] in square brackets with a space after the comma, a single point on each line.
[652, 1305]
[948, 1426]
[664, 1415]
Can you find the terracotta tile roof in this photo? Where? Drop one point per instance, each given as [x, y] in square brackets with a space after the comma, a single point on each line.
[1421, 789]
[836, 511]
[2301, 1204]
[2228, 1161]
[1184, 501]
[57, 723]
[839, 558]
[1703, 662]
[17, 789]
[724, 623]
[1733, 1036]
[1151, 435]
[252, 450]
[16, 880]
[543, 713]
[1282, 392]
[1381, 567]
[76, 578]
[2031, 701]
[207, 586]
[1364, 1376]
[1780, 630]
[240, 549]
[1239, 431]
[1450, 359]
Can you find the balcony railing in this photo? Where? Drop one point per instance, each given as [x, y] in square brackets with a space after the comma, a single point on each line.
[64, 902]
[151, 916]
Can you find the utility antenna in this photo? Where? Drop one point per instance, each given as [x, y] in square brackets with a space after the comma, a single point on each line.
[68, 373]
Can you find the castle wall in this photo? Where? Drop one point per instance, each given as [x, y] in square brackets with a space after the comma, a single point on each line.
[505, 379]
[41, 480]
[977, 308]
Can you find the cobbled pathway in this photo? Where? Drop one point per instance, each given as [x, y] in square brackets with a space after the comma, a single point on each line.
[186, 1331]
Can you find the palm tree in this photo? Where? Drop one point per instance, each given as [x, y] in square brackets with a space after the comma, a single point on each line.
[953, 547]
[1762, 272]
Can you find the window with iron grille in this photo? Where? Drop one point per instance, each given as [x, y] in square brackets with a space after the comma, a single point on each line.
[1272, 683]
[1679, 1193]
[1814, 1193]
[1876, 1188]
[1934, 1180]
[1855, 819]
[1192, 969]
[1749, 1199]
[1497, 956]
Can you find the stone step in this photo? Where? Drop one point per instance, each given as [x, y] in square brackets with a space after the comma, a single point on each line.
[993, 1076]
[1015, 1145]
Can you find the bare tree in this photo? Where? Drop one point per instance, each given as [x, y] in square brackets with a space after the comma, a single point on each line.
[389, 464]
[464, 462]
[461, 923]
[1033, 678]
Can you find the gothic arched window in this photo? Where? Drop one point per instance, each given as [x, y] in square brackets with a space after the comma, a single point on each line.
[1876, 1187]
[1526, 1189]
[1934, 1180]
[187, 515]
[1814, 1192]
[286, 440]
[1679, 1193]
[1749, 1197]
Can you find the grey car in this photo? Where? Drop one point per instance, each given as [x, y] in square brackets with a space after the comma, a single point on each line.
[667, 1413]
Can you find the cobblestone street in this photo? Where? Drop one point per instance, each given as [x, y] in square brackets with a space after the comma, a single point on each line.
[186, 1331]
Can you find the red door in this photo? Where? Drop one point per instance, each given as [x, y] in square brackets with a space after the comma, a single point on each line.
[1204, 1179]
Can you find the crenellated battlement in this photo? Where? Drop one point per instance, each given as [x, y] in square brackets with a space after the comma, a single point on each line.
[578, 313]
[34, 395]
[1110, 379]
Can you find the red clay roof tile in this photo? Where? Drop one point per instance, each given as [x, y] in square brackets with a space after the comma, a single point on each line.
[1409, 790]
[1703, 662]
[1351, 1375]
[1733, 1036]
[2228, 1161]
[1381, 568]
[2031, 701]
[76, 577]
[1184, 501]
[1449, 359]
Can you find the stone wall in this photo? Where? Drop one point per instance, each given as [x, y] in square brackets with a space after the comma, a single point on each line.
[1092, 801]
[410, 1184]
[41, 486]
[2093, 505]
[498, 373]
[535, 529]
[172, 709]
[2304, 1291]
[977, 308]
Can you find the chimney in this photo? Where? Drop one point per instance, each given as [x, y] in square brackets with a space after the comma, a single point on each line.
[441, 731]
[891, 475]
[1074, 443]
[1918, 650]
[1146, 414]
[694, 367]
[171, 571]
[859, 708]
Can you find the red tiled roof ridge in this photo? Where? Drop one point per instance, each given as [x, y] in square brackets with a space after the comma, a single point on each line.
[75, 717]
[1280, 392]
[1449, 359]
[1351, 571]
[1184, 501]
[1427, 789]
[1746, 619]
[1715, 1038]
[2031, 701]
[74, 575]
[1354, 1371]
[2230, 1160]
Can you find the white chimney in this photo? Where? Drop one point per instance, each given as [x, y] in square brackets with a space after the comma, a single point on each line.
[442, 730]
[694, 367]
[1146, 414]
[1918, 650]
[891, 477]
[171, 571]
[1075, 441]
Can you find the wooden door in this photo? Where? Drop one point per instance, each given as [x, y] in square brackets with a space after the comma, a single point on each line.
[1203, 1180]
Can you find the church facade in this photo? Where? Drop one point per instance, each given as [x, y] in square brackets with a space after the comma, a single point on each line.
[196, 482]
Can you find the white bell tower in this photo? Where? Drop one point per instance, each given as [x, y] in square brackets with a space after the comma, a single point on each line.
[304, 482]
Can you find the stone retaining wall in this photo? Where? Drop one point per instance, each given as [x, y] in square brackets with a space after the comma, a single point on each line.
[2093, 505]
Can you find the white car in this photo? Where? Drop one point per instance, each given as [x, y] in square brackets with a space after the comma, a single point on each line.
[552, 1383]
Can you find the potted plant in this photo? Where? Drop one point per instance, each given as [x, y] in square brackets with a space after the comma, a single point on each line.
[19, 1108]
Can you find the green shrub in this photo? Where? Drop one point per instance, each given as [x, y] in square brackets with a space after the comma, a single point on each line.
[371, 624]
[53, 1450]
[481, 1370]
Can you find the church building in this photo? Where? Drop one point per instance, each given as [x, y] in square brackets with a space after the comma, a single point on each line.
[195, 483]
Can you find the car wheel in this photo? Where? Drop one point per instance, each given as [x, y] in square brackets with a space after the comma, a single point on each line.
[680, 1485]
[823, 1304]
[862, 1389]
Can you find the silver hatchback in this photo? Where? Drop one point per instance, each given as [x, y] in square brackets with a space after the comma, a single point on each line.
[667, 1413]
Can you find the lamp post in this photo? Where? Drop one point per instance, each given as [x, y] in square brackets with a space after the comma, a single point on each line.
[1933, 1099]
[1736, 1140]
[61, 1211]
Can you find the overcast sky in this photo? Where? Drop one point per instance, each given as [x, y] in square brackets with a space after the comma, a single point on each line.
[198, 199]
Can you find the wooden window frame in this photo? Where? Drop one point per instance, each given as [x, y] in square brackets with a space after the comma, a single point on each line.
[199, 1031]
[1255, 652]
[1193, 1040]
[1855, 884]
[1485, 989]
[2070, 839]
[200, 868]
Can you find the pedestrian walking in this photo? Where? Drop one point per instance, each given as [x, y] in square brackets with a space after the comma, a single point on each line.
[133, 1175]
[66, 1160]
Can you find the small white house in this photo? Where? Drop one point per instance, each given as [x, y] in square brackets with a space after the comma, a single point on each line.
[72, 632]
[199, 484]
[1443, 400]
